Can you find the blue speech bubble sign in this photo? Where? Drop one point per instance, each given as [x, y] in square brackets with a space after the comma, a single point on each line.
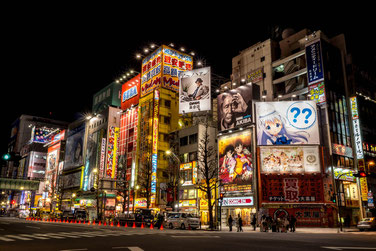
[301, 115]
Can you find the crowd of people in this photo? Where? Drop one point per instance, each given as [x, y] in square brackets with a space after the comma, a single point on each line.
[283, 224]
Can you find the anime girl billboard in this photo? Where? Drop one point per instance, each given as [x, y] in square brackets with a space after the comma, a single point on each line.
[286, 123]
[235, 161]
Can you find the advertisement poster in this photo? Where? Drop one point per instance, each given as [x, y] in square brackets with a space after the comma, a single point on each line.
[282, 189]
[290, 159]
[235, 161]
[235, 108]
[53, 157]
[130, 93]
[287, 122]
[74, 147]
[41, 135]
[317, 92]
[356, 128]
[194, 91]
[315, 71]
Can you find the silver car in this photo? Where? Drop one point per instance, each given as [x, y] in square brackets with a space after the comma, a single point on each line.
[367, 223]
[182, 221]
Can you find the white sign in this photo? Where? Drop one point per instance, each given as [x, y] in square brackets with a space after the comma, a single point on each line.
[286, 123]
[194, 91]
[237, 201]
[356, 128]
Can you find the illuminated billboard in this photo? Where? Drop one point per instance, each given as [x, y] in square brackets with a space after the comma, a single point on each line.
[154, 156]
[194, 91]
[235, 108]
[174, 63]
[287, 122]
[235, 161]
[74, 147]
[163, 68]
[41, 135]
[289, 159]
[130, 93]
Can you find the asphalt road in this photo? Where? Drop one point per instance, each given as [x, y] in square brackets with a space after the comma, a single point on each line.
[17, 234]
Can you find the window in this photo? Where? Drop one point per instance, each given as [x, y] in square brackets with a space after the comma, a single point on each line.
[167, 120]
[167, 103]
[193, 138]
[262, 59]
[193, 156]
[184, 141]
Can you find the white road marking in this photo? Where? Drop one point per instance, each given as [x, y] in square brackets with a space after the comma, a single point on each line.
[135, 249]
[78, 249]
[33, 227]
[33, 236]
[18, 237]
[49, 235]
[192, 236]
[5, 239]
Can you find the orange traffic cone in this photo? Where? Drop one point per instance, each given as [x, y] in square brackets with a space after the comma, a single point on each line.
[151, 226]
[88, 222]
[161, 227]
[112, 224]
[118, 225]
[79, 221]
[94, 222]
[100, 223]
[134, 225]
[105, 224]
[126, 225]
[142, 225]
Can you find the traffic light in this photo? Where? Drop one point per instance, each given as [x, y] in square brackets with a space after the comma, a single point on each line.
[221, 196]
[333, 198]
[360, 174]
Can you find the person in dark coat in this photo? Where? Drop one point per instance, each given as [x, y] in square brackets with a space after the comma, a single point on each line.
[253, 223]
[230, 220]
[292, 224]
[240, 222]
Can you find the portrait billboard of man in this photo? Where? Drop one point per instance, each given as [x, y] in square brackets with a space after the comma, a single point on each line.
[194, 91]
[235, 108]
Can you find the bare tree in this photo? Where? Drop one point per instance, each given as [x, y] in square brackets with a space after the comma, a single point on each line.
[208, 169]
[144, 179]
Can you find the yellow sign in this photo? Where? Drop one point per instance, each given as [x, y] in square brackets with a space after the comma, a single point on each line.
[364, 189]
[187, 203]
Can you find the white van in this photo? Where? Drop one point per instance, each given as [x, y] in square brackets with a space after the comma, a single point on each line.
[182, 221]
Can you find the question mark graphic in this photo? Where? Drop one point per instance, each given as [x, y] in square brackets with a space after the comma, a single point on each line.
[296, 114]
[309, 111]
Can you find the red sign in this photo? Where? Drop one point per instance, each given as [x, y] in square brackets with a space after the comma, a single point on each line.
[130, 93]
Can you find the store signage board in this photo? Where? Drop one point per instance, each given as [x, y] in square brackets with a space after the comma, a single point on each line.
[237, 201]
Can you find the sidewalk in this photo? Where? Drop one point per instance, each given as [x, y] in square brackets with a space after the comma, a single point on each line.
[317, 230]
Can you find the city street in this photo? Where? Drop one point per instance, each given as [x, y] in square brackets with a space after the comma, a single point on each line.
[19, 234]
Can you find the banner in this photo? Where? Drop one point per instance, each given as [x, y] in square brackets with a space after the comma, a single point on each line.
[317, 92]
[237, 201]
[235, 161]
[235, 108]
[287, 122]
[315, 70]
[194, 91]
[112, 151]
[289, 159]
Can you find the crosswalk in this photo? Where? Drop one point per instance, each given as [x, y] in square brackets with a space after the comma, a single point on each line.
[66, 235]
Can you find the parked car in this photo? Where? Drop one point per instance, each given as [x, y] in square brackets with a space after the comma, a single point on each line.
[367, 223]
[183, 221]
[144, 216]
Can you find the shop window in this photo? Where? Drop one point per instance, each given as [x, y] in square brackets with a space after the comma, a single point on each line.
[192, 194]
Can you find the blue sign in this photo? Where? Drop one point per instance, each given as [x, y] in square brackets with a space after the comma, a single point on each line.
[315, 71]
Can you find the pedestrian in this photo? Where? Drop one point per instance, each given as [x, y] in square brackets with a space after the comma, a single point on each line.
[274, 225]
[285, 224]
[278, 226]
[292, 224]
[230, 220]
[253, 223]
[240, 223]
[264, 224]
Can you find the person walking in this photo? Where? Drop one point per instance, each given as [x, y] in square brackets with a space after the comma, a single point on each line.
[285, 224]
[240, 223]
[253, 223]
[230, 220]
[264, 224]
[292, 224]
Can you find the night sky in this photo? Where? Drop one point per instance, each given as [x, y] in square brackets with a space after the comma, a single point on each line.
[54, 63]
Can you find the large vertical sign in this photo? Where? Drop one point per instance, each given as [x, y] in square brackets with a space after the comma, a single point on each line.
[151, 72]
[315, 69]
[112, 151]
[356, 128]
[154, 155]
[130, 93]
[194, 91]
[174, 63]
